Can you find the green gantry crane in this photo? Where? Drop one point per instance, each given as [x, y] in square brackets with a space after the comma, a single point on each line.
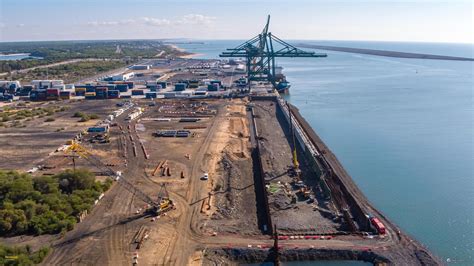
[260, 53]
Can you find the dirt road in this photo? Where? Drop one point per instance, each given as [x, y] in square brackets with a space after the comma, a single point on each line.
[52, 65]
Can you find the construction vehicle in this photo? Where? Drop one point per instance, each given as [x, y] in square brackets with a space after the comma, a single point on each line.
[295, 170]
[163, 204]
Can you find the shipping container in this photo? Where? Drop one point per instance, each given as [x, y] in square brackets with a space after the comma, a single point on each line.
[150, 95]
[213, 87]
[65, 95]
[25, 91]
[168, 95]
[180, 86]
[137, 92]
[52, 94]
[98, 129]
[80, 92]
[90, 88]
[113, 94]
[122, 87]
[216, 82]
[130, 84]
[90, 95]
[111, 86]
[162, 84]
[38, 96]
[194, 83]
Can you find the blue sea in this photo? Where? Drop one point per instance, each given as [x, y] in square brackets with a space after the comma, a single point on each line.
[403, 129]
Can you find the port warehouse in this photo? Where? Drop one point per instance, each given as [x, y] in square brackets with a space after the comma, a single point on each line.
[43, 90]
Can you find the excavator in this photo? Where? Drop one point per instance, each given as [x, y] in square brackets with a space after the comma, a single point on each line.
[163, 204]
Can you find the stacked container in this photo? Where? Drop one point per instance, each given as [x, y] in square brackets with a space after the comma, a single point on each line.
[150, 95]
[65, 95]
[38, 95]
[80, 91]
[137, 92]
[130, 84]
[90, 95]
[122, 87]
[52, 94]
[101, 92]
[180, 86]
[162, 84]
[113, 94]
[213, 87]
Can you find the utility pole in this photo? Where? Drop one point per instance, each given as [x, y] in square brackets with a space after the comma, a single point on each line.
[275, 247]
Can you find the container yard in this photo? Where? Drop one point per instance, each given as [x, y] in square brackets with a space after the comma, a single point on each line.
[248, 179]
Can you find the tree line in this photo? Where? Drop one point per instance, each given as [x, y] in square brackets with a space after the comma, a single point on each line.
[45, 204]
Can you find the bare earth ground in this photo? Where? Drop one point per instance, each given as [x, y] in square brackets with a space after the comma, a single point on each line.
[106, 234]
[299, 217]
[24, 147]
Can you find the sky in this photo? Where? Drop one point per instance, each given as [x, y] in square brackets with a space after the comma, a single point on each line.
[449, 21]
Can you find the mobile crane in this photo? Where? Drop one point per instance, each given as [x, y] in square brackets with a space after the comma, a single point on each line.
[163, 204]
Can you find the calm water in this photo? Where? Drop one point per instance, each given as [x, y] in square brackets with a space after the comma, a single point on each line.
[403, 128]
[4, 57]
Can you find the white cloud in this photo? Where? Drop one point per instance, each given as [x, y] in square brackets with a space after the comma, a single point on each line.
[103, 23]
[196, 19]
[190, 19]
[155, 21]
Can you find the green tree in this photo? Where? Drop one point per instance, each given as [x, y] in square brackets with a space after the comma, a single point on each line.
[72, 180]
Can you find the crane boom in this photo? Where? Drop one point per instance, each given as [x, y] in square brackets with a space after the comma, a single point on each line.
[117, 176]
[261, 51]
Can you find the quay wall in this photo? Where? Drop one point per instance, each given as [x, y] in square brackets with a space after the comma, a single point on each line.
[315, 154]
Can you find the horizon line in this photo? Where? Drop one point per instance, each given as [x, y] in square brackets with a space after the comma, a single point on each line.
[218, 39]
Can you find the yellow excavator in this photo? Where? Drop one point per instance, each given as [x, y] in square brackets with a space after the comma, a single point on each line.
[296, 164]
[163, 204]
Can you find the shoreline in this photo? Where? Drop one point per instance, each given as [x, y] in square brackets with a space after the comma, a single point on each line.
[188, 56]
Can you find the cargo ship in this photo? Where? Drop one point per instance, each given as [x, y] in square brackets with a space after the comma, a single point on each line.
[282, 85]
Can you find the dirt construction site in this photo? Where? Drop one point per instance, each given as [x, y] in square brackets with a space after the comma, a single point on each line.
[228, 167]
[217, 144]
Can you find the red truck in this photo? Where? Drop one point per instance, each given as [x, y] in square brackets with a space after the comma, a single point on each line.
[378, 225]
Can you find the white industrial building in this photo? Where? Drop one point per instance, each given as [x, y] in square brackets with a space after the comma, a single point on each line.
[48, 84]
[123, 76]
[140, 67]
[9, 83]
